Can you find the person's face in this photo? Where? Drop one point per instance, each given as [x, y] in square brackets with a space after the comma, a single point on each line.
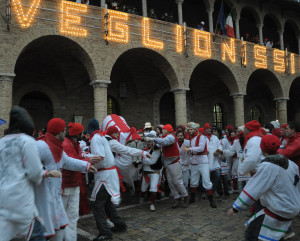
[207, 131]
[192, 131]
[61, 136]
[246, 132]
[215, 132]
[290, 132]
[141, 135]
[180, 137]
[233, 134]
[157, 131]
[116, 134]
[226, 132]
[283, 132]
[164, 132]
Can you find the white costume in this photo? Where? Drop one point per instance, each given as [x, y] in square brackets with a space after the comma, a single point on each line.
[20, 167]
[252, 156]
[185, 160]
[229, 164]
[278, 190]
[48, 193]
[213, 144]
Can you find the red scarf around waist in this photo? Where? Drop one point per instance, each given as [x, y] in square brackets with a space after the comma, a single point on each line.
[252, 134]
[54, 144]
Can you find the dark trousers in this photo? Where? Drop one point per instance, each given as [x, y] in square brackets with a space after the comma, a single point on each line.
[103, 206]
[215, 178]
[223, 184]
[37, 232]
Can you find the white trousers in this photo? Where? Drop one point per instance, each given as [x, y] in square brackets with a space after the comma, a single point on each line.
[128, 173]
[175, 181]
[70, 199]
[154, 180]
[234, 170]
[186, 175]
[200, 170]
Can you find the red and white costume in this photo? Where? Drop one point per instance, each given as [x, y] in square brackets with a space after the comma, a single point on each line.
[185, 160]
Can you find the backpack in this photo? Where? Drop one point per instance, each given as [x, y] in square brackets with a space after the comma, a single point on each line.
[158, 164]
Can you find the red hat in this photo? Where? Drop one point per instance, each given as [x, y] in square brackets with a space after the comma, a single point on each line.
[270, 144]
[111, 130]
[56, 126]
[168, 127]
[201, 130]
[253, 125]
[229, 127]
[284, 126]
[75, 129]
[206, 126]
[241, 134]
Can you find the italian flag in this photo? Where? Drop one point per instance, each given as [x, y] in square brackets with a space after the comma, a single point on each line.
[229, 26]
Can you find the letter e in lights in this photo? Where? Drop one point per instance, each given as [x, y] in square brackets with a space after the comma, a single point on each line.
[120, 32]
[203, 49]
[69, 17]
[147, 41]
[179, 38]
[230, 50]
[292, 61]
[260, 56]
[25, 19]
[279, 61]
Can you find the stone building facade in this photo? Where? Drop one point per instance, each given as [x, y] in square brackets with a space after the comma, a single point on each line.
[144, 69]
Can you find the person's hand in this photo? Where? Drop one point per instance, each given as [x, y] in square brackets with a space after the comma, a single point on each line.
[216, 153]
[230, 212]
[186, 148]
[96, 159]
[220, 151]
[92, 169]
[148, 156]
[54, 173]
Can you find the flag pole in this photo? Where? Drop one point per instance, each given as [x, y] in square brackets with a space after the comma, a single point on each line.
[218, 17]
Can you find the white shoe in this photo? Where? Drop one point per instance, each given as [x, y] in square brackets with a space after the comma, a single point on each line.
[152, 207]
[141, 200]
[109, 223]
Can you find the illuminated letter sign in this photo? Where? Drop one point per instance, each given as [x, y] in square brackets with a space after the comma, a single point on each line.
[25, 20]
[293, 69]
[279, 61]
[67, 18]
[179, 38]
[204, 37]
[229, 50]
[260, 55]
[120, 32]
[146, 37]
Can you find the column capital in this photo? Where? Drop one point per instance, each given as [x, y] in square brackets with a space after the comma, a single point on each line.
[179, 1]
[210, 10]
[237, 95]
[7, 77]
[260, 25]
[280, 31]
[281, 99]
[100, 83]
[180, 90]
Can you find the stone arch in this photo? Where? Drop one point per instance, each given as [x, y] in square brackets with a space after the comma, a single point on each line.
[156, 100]
[158, 60]
[294, 100]
[221, 71]
[294, 26]
[79, 48]
[275, 19]
[254, 13]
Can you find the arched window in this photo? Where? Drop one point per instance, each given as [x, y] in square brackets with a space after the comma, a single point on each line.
[218, 116]
[256, 114]
[112, 106]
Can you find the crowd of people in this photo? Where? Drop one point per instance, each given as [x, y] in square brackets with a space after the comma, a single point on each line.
[267, 42]
[49, 174]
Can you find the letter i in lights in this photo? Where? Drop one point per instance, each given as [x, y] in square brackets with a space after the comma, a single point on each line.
[25, 20]
[279, 60]
[120, 33]
[179, 38]
[293, 69]
[230, 50]
[260, 56]
[147, 41]
[205, 39]
[68, 19]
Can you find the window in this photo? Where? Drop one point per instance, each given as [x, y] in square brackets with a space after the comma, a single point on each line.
[218, 116]
[256, 114]
[112, 106]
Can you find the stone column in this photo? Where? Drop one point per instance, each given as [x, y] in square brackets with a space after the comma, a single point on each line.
[237, 28]
[280, 32]
[100, 99]
[260, 33]
[144, 8]
[282, 110]
[180, 106]
[298, 38]
[179, 6]
[102, 3]
[6, 84]
[239, 114]
[210, 20]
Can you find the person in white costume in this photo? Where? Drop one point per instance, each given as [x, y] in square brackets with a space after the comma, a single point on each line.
[48, 194]
[276, 184]
[20, 170]
[106, 192]
[199, 164]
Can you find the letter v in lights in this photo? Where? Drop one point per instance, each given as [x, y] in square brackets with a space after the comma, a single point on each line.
[25, 19]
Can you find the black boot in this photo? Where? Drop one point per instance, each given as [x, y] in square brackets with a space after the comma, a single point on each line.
[211, 201]
[192, 198]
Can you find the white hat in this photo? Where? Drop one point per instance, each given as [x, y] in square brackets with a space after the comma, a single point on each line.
[192, 125]
[242, 128]
[276, 124]
[147, 125]
[202, 22]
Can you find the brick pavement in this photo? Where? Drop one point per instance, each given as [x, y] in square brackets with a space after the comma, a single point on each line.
[197, 222]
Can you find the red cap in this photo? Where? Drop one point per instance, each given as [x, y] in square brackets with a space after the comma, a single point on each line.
[201, 130]
[168, 127]
[253, 125]
[75, 129]
[56, 126]
[284, 126]
[270, 144]
[206, 126]
[111, 130]
[229, 127]
[241, 134]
